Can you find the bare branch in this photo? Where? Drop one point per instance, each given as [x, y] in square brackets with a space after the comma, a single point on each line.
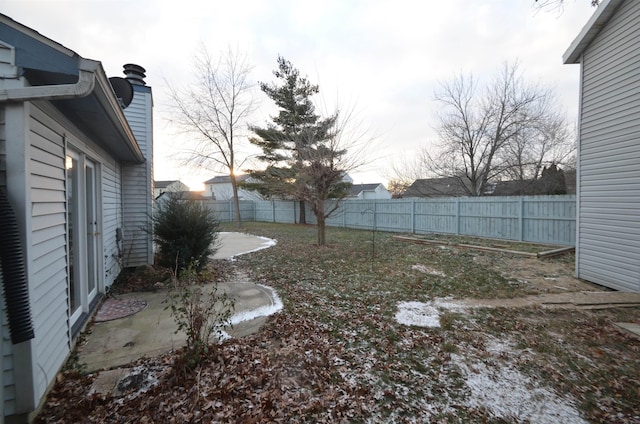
[214, 111]
[509, 129]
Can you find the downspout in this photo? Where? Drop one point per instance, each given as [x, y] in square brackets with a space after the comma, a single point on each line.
[14, 277]
[82, 88]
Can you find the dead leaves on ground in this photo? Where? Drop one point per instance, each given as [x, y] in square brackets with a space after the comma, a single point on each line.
[292, 369]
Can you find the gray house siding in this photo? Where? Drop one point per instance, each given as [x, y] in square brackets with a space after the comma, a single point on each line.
[112, 220]
[137, 189]
[608, 250]
[47, 253]
[7, 387]
[49, 137]
[63, 153]
[3, 154]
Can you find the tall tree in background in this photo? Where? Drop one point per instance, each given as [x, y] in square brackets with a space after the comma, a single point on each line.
[288, 139]
[536, 145]
[305, 154]
[487, 133]
[214, 110]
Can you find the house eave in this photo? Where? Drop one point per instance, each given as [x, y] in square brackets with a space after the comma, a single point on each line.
[41, 63]
[591, 29]
[100, 116]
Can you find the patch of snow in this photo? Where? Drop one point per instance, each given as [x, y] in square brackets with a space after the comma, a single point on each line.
[262, 311]
[507, 393]
[267, 242]
[222, 336]
[426, 270]
[424, 314]
[498, 347]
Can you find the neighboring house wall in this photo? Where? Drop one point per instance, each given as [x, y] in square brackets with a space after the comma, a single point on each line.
[171, 187]
[368, 192]
[138, 182]
[608, 239]
[219, 188]
[380, 192]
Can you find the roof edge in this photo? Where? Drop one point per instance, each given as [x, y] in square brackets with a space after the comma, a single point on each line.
[591, 29]
[107, 98]
[37, 36]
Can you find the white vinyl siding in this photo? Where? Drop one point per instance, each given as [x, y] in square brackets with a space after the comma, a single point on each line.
[3, 151]
[47, 254]
[112, 220]
[7, 389]
[48, 250]
[609, 171]
[137, 190]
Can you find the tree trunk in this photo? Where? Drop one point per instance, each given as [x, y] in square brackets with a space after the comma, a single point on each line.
[236, 200]
[303, 213]
[320, 217]
[321, 233]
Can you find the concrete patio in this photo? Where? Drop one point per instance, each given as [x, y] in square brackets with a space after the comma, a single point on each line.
[152, 330]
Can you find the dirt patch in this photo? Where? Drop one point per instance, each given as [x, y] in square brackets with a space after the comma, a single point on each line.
[539, 276]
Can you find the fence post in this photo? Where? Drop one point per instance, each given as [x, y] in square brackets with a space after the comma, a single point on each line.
[521, 219]
[273, 210]
[375, 204]
[457, 216]
[413, 216]
[296, 209]
[344, 215]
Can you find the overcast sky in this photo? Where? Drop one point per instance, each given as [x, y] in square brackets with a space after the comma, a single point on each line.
[384, 59]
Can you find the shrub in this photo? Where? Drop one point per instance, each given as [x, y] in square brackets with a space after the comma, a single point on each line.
[201, 313]
[185, 232]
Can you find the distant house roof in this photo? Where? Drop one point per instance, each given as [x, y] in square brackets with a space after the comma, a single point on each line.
[514, 188]
[359, 188]
[226, 179]
[164, 184]
[184, 195]
[437, 187]
[602, 14]
[552, 181]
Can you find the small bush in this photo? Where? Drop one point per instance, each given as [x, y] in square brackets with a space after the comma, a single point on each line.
[185, 232]
[200, 313]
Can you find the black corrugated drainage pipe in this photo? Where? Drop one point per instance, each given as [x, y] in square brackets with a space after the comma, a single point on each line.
[16, 292]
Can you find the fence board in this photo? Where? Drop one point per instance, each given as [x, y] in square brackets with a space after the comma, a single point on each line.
[536, 219]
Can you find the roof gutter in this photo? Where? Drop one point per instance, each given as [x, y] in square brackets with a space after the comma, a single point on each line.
[82, 88]
[591, 29]
[114, 111]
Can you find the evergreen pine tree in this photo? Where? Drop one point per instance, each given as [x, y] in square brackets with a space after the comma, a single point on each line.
[291, 141]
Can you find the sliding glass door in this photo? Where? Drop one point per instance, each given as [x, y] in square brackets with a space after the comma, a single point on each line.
[83, 225]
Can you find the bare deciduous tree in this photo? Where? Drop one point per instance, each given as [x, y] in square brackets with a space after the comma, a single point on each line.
[557, 4]
[404, 171]
[214, 110]
[533, 147]
[488, 132]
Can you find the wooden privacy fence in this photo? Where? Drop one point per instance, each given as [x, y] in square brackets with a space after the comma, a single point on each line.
[537, 219]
